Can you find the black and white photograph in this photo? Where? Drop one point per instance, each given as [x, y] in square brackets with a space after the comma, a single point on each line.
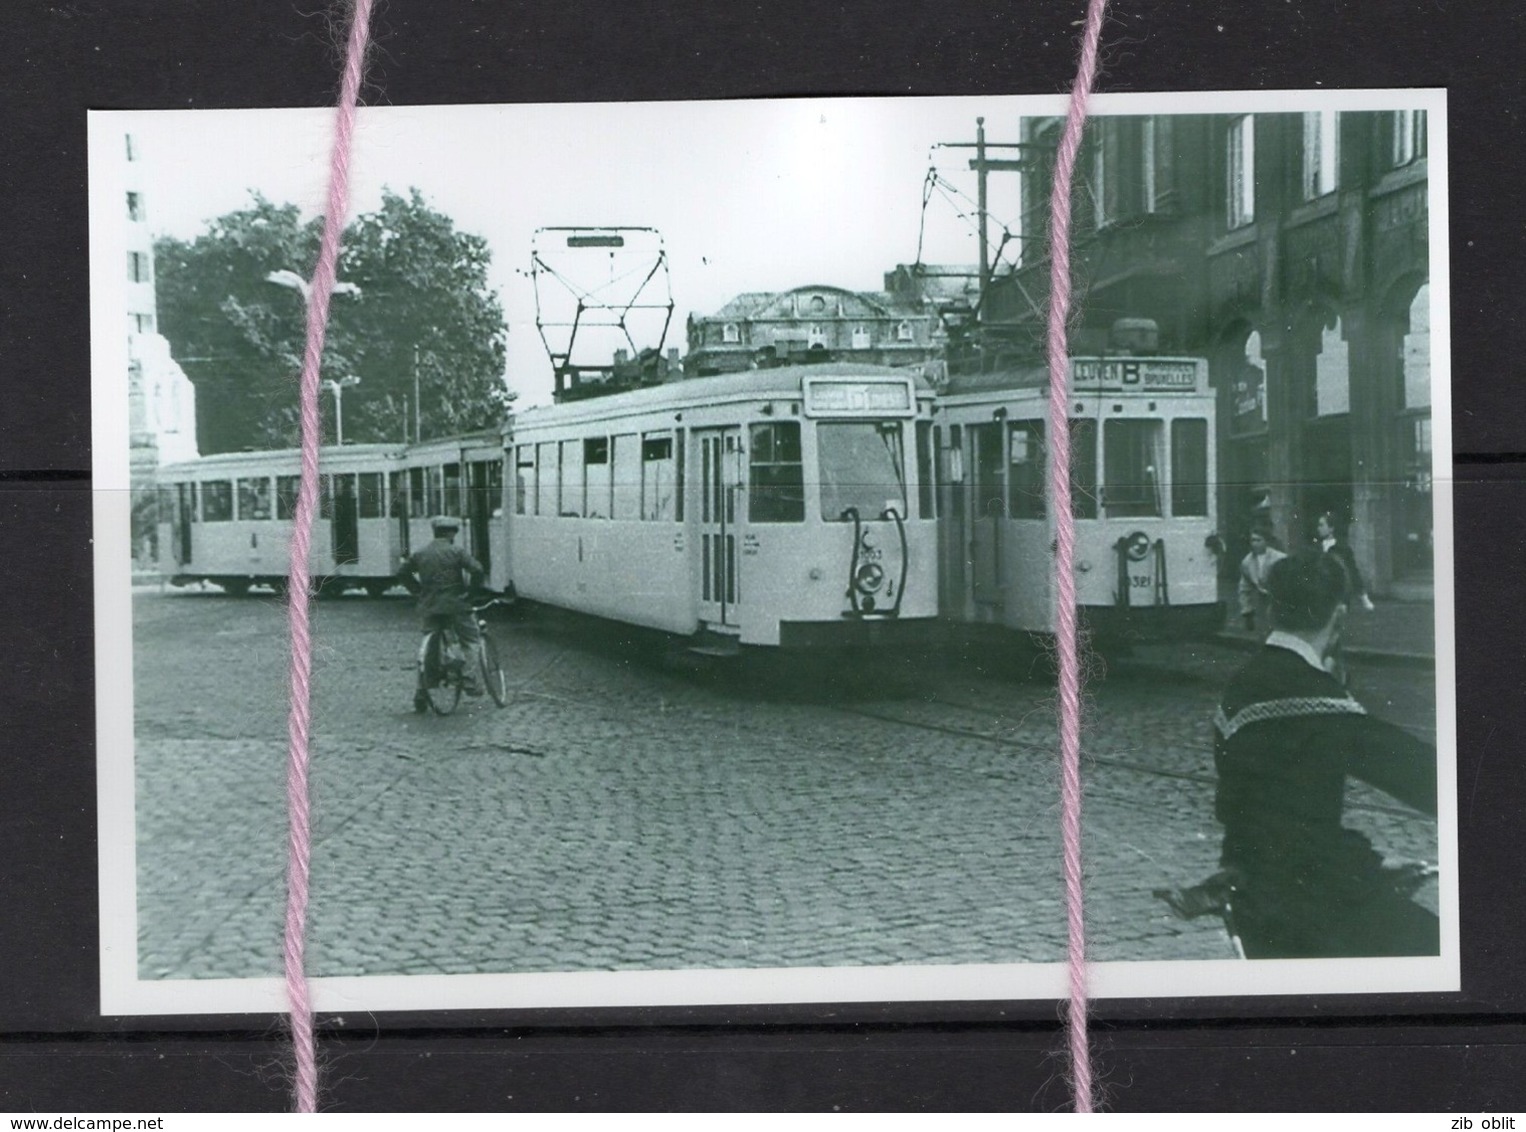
[683, 569]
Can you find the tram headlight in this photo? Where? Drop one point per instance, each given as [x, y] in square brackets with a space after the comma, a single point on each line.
[869, 578]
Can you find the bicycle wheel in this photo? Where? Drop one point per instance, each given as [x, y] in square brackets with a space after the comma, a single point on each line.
[492, 671]
[442, 688]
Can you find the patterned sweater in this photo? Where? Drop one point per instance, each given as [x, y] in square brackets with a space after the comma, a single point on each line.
[1287, 736]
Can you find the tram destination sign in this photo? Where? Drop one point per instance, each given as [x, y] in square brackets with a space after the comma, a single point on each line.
[837, 398]
[1155, 374]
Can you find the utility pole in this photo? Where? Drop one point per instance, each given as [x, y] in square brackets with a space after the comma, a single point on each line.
[418, 402]
[980, 164]
[983, 165]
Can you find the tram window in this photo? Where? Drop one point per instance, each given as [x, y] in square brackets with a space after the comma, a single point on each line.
[547, 479]
[493, 469]
[776, 482]
[524, 479]
[1132, 460]
[286, 496]
[1026, 476]
[926, 481]
[596, 477]
[325, 497]
[433, 491]
[369, 503]
[418, 499]
[1189, 467]
[678, 474]
[571, 503]
[254, 498]
[659, 480]
[626, 500]
[451, 479]
[862, 469]
[1083, 468]
[397, 494]
[217, 501]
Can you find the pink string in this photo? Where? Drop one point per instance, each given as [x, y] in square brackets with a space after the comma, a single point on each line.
[299, 722]
[1065, 552]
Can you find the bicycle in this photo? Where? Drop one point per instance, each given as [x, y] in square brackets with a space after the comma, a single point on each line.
[1216, 896]
[442, 667]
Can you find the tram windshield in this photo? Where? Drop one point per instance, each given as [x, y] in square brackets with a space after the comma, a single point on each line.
[862, 469]
[1132, 458]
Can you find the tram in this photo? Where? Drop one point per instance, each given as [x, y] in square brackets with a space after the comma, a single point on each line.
[227, 519]
[788, 507]
[460, 476]
[1142, 450]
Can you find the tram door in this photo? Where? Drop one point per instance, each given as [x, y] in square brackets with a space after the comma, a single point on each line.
[346, 522]
[988, 511]
[720, 484]
[479, 509]
[185, 512]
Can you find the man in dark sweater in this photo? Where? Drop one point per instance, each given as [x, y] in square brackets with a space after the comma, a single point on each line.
[1287, 736]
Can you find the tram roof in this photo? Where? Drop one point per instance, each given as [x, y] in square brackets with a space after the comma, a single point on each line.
[743, 385]
[1027, 377]
[330, 454]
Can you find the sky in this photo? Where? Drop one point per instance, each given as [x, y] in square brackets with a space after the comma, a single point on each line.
[747, 196]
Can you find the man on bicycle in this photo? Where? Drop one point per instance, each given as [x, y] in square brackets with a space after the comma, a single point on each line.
[446, 576]
[1288, 734]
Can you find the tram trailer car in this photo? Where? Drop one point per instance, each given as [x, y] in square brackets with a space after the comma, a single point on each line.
[1142, 453]
[227, 519]
[788, 507]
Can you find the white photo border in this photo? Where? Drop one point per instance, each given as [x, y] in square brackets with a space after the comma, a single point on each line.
[124, 993]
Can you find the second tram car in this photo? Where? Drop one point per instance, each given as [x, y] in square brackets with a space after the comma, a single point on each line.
[1142, 450]
[784, 507]
[227, 519]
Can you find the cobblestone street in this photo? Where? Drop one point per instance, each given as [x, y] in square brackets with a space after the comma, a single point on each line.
[622, 813]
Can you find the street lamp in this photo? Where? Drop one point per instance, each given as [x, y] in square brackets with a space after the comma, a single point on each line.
[337, 388]
[286, 278]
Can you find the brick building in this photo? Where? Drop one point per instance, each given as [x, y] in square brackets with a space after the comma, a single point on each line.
[1292, 250]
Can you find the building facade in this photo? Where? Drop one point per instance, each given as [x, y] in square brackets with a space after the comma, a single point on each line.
[161, 400]
[813, 324]
[1292, 250]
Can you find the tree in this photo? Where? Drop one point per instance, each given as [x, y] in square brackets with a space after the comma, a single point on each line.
[424, 305]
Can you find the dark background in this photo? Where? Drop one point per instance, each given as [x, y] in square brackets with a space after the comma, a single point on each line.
[1431, 1052]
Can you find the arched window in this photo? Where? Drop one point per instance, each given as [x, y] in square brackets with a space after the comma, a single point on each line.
[1332, 373]
[1248, 393]
[1415, 353]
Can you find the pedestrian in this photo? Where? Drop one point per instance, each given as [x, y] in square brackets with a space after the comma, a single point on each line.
[446, 575]
[1255, 599]
[1288, 735]
[1340, 550]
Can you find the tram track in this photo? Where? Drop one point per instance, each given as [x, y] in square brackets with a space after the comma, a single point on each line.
[994, 738]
